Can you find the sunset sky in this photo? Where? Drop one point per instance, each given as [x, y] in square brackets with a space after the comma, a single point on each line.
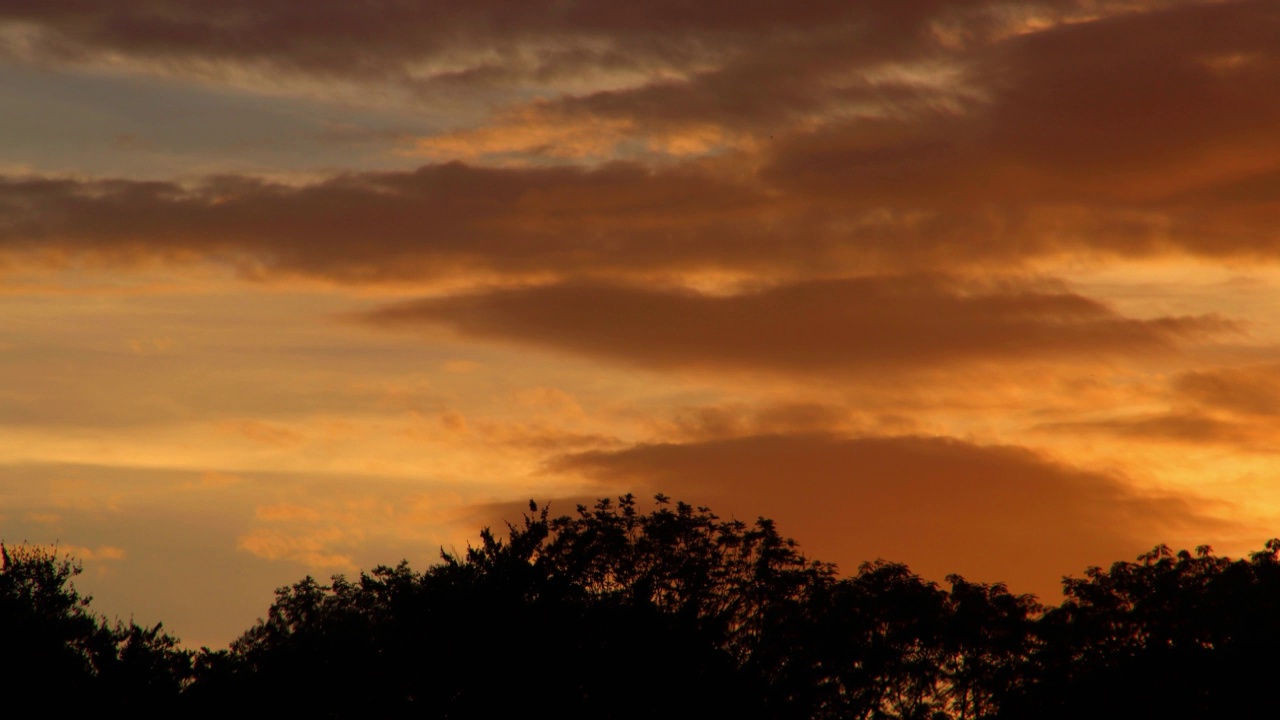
[295, 288]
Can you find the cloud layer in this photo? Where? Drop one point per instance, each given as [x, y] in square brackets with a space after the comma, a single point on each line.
[837, 326]
[942, 505]
[832, 139]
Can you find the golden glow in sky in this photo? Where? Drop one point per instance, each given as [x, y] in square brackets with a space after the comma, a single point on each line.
[986, 288]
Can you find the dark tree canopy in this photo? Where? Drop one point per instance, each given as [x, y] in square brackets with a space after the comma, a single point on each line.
[1170, 636]
[613, 613]
[618, 613]
[54, 648]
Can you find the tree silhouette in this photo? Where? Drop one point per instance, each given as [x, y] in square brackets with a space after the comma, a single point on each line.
[54, 647]
[611, 613]
[617, 613]
[1171, 636]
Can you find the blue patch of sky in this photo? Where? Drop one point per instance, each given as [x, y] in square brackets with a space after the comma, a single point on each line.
[112, 125]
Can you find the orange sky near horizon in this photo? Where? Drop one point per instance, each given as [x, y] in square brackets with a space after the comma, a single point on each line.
[285, 289]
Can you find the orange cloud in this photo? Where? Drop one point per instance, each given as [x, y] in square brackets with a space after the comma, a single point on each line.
[542, 132]
[1226, 405]
[82, 553]
[717, 422]
[942, 505]
[314, 549]
[286, 512]
[542, 436]
[1250, 391]
[262, 432]
[213, 480]
[1192, 427]
[836, 326]
[101, 553]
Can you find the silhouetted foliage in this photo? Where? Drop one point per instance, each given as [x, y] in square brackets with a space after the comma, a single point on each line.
[54, 648]
[617, 613]
[1169, 636]
[609, 614]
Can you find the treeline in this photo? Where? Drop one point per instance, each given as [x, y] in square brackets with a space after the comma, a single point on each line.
[618, 613]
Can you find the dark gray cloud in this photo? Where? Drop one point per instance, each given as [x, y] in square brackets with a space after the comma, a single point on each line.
[431, 222]
[864, 137]
[381, 37]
